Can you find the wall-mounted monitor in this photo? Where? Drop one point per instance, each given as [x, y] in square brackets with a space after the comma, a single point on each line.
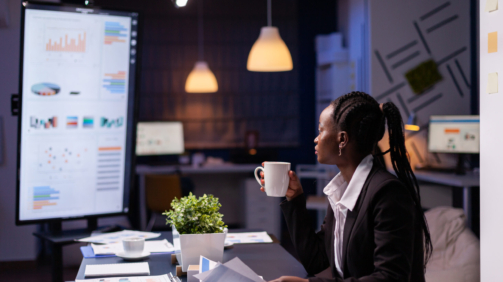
[159, 138]
[454, 134]
[77, 117]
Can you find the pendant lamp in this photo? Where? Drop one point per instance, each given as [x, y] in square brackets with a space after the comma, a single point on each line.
[269, 53]
[201, 79]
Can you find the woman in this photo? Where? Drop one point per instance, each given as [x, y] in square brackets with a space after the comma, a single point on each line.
[375, 228]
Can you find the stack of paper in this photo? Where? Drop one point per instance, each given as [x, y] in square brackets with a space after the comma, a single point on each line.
[117, 237]
[160, 278]
[232, 271]
[248, 237]
[155, 246]
[116, 269]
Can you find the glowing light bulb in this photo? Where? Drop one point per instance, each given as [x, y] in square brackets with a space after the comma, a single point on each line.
[181, 3]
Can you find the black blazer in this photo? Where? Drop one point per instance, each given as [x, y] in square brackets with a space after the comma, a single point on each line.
[382, 239]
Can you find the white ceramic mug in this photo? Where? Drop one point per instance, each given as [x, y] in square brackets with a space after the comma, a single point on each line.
[133, 246]
[276, 178]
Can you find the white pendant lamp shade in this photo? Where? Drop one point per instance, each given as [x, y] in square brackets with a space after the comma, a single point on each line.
[201, 79]
[269, 53]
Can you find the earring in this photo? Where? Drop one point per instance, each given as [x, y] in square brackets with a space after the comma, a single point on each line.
[340, 150]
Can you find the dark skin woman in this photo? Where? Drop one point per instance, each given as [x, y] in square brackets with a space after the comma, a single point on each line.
[384, 236]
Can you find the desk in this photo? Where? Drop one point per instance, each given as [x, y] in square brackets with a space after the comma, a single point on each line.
[238, 171]
[268, 260]
[466, 182]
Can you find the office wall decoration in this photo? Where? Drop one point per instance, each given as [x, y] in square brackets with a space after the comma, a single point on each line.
[492, 83]
[423, 76]
[424, 35]
[491, 166]
[492, 42]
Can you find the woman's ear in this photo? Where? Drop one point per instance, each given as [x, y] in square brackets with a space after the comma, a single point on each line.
[343, 139]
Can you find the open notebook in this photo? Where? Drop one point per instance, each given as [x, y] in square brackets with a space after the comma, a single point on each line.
[117, 269]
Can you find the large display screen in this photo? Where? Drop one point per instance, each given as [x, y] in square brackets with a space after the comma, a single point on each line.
[77, 120]
[454, 134]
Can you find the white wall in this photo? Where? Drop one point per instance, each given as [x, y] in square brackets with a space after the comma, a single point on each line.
[16, 243]
[491, 155]
[396, 24]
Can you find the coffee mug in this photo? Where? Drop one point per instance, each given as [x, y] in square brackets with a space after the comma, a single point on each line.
[276, 178]
[133, 246]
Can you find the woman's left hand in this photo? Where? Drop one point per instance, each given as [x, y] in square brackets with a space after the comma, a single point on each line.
[289, 279]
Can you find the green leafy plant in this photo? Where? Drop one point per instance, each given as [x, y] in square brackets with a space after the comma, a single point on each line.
[191, 215]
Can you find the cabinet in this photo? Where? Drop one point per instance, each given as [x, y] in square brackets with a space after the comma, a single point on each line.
[261, 212]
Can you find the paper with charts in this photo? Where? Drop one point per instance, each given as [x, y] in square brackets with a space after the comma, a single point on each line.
[234, 270]
[154, 246]
[117, 237]
[248, 237]
[160, 278]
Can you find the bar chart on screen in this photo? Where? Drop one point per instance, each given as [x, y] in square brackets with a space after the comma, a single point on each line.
[66, 40]
[115, 83]
[44, 196]
[115, 33]
[75, 44]
[109, 170]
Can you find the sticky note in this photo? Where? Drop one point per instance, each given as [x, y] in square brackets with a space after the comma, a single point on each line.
[491, 5]
[492, 83]
[492, 42]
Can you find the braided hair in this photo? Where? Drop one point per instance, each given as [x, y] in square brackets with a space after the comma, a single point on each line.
[360, 115]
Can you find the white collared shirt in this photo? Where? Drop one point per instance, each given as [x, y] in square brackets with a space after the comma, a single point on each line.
[343, 197]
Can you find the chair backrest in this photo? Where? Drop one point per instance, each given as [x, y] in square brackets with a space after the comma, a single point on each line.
[160, 190]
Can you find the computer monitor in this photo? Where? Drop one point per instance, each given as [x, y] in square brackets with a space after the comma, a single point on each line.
[159, 138]
[454, 134]
[77, 117]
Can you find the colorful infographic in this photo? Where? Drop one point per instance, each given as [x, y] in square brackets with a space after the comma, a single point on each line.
[72, 122]
[88, 122]
[37, 123]
[44, 196]
[115, 83]
[75, 80]
[74, 45]
[115, 32]
[108, 122]
[60, 158]
[45, 89]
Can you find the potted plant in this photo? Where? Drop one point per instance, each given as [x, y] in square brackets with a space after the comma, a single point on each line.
[198, 229]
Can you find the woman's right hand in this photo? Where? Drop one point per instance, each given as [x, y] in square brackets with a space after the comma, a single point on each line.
[294, 187]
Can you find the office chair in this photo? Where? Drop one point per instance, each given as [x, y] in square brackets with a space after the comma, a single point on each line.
[160, 190]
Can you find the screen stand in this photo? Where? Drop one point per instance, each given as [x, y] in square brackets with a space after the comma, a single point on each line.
[58, 238]
[460, 167]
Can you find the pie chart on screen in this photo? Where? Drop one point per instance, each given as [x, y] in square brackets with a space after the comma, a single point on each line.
[45, 89]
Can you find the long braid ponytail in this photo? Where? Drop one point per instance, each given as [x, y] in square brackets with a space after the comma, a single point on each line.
[402, 168]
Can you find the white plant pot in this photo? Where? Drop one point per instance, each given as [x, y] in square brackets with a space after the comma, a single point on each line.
[189, 247]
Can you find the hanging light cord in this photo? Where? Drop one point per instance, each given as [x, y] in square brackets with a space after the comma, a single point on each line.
[269, 13]
[201, 32]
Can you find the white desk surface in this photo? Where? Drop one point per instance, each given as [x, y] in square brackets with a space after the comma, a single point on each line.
[470, 179]
[225, 168]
